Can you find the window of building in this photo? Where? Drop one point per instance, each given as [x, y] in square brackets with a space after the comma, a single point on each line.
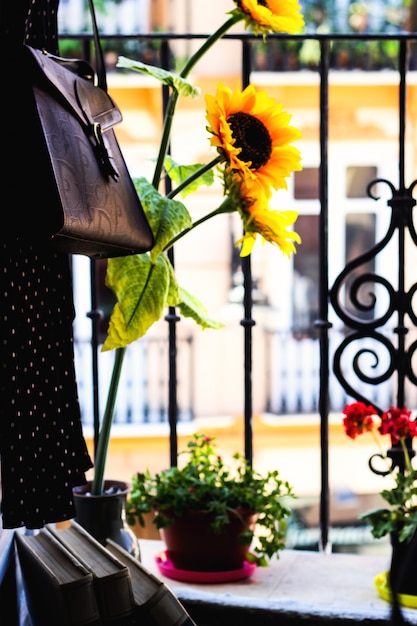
[360, 237]
[306, 184]
[357, 180]
[306, 275]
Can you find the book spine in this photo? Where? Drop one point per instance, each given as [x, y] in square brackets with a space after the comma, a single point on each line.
[79, 605]
[114, 596]
[165, 609]
[113, 591]
[48, 600]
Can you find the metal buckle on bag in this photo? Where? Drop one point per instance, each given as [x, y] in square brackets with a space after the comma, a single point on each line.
[104, 158]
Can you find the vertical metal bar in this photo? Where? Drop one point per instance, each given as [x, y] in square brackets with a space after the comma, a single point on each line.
[95, 315]
[191, 414]
[401, 330]
[323, 323]
[172, 318]
[247, 322]
[402, 110]
[268, 370]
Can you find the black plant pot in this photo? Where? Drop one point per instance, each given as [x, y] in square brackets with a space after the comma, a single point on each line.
[104, 516]
[403, 572]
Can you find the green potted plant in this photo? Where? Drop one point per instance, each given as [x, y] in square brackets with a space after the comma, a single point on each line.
[205, 498]
[398, 518]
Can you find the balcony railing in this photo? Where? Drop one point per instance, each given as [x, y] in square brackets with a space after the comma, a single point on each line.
[393, 375]
[292, 384]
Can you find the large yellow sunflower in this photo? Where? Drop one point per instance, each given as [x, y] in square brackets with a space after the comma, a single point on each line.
[267, 16]
[252, 133]
[271, 224]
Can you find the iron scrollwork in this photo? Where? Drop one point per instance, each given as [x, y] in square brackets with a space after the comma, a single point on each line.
[355, 296]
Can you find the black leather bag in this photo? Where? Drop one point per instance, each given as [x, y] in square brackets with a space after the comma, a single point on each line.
[90, 203]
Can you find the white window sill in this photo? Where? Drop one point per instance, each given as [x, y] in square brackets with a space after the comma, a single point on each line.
[299, 585]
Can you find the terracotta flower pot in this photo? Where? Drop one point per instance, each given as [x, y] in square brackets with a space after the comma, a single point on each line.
[104, 516]
[192, 545]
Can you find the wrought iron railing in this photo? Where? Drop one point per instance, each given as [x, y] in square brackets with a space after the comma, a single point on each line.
[291, 384]
[400, 310]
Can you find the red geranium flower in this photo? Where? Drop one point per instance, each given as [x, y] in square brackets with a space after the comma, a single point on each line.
[398, 515]
[397, 423]
[358, 418]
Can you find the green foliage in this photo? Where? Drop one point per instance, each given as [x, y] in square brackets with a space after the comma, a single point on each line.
[204, 482]
[401, 516]
[179, 173]
[145, 284]
[166, 217]
[181, 85]
[142, 289]
[190, 306]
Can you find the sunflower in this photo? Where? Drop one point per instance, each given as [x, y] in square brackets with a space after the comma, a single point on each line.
[259, 219]
[267, 16]
[252, 133]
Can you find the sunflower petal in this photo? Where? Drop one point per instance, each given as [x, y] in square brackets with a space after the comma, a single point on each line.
[280, 16]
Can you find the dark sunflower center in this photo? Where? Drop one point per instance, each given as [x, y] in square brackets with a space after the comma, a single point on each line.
[263, 3]
[253, 137]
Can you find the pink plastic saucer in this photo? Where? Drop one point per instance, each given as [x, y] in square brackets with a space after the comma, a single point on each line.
[167, 569]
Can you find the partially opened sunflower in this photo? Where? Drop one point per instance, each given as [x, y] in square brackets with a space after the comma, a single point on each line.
[253, 139]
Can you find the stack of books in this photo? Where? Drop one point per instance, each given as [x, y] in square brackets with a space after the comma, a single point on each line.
[71, 579]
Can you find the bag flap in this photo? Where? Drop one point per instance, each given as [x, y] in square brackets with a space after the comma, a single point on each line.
[73, 81]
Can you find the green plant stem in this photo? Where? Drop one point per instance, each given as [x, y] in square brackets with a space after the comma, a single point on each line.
[172, 102]
[104, 438]
[226, 206]
[193, 177]
[381, 451]
[406, 455]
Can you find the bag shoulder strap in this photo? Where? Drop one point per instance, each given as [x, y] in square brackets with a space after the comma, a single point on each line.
[100, 64]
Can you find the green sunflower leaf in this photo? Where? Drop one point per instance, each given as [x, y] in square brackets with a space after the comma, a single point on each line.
[179, 173]
[166, 217]
[142, 289]
[192, 307]
[183, 86]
